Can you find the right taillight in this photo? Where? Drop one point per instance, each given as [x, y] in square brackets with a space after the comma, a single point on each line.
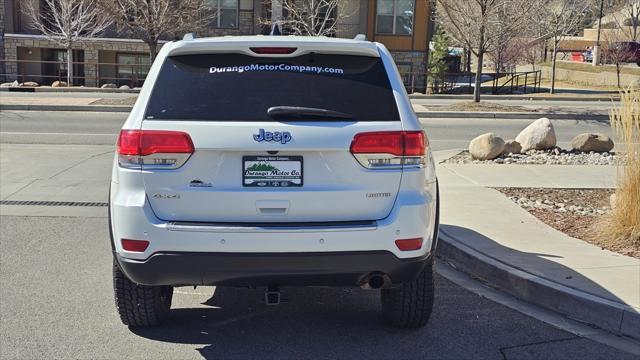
[389, 149]
[153, 149]
[409, 244]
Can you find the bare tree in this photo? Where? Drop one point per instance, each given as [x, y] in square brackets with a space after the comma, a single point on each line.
[557, 20]
[506, 47]
[308, 17]
[508, 55]
[153, 20]
[67, 22]
[533, 52]
[480, 25]
[627, 17]
[616, 51]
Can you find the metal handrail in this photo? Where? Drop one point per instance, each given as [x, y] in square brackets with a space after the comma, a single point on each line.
[514, 81]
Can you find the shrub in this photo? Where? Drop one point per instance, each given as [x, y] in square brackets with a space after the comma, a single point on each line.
[621, 229]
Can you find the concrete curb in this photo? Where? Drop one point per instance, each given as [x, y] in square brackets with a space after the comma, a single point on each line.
[67, 90]
[422, 114]
[83, 108]
[510, 115]
[603, 97]
[578, 305]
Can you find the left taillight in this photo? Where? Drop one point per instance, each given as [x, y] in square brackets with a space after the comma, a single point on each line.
[389, 149]
[153, 149]
[134, 245]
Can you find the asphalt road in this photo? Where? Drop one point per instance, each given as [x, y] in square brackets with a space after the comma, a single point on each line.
[57, 303]
[33, 127]
[56, 299]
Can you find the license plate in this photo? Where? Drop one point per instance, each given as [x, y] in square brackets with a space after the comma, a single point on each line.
[272, 171]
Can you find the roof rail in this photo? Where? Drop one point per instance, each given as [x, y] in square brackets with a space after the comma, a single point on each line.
[189, 36]
[360, 37]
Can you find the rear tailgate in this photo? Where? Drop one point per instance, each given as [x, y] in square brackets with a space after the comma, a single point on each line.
[221, 101]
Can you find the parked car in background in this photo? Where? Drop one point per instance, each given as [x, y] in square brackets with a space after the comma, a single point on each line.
[587, 55]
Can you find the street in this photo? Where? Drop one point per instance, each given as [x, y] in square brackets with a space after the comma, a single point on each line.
[32, 127]
[57, 298]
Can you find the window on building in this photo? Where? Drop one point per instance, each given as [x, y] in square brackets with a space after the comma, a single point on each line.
[132, 69]
[60, 62]
[55, 67]
[395, 17]
[226, 13]
[405, 69]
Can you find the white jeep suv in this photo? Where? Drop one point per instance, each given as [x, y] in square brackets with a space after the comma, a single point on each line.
[270, 161]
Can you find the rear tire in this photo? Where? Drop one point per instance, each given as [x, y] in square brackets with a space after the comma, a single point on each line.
[410, 304]
[140, 305]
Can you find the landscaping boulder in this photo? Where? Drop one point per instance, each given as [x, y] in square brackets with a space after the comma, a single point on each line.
[125, 87]
[59, 83]
[486, 147]
[612, 201]
[539, 135]
[30, 84]
[109, 86]
[11, 84]
[592, 142]
[512, 147]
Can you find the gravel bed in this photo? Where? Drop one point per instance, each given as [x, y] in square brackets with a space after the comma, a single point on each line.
[572, 211]
[555, 156]
[584, 202]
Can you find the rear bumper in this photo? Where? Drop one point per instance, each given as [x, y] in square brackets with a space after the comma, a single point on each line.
[263, 269]
[413, 216]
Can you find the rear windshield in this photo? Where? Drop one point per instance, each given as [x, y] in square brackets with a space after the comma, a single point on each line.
[237, 87]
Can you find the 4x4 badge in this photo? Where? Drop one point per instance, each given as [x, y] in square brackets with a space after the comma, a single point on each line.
[276, 136]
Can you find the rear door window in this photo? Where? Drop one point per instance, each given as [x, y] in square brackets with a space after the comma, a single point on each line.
[237, 87]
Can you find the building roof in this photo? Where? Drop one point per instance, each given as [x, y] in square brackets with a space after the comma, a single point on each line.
[575, 43]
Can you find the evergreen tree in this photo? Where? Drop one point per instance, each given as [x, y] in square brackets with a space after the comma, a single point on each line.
[438, 61]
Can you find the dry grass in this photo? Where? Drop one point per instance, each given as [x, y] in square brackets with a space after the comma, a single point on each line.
[579, 85]
[587, 67]
[621, 229]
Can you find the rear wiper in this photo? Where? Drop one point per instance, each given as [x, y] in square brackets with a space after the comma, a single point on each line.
[305, 113]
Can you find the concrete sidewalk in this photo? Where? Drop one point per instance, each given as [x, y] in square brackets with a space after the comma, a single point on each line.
[63, 102]
[487, 235]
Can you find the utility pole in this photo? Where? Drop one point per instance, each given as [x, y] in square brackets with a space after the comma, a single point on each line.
[596, 49]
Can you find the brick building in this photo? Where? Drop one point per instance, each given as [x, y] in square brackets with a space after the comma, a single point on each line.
[404, 26]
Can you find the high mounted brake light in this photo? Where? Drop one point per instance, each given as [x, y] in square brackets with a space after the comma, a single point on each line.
[389, 149]
[153, 149]
[273, 50]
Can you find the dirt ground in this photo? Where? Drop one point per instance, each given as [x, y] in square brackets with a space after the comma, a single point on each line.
[126, 101]
[481, 106]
